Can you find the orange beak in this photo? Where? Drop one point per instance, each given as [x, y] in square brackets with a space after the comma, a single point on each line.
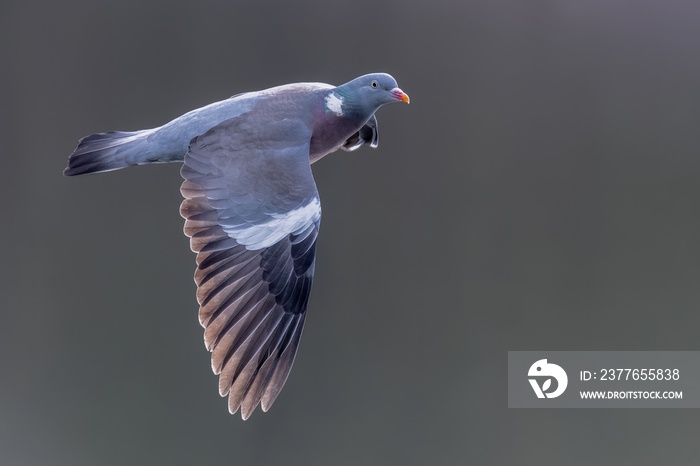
[400, 95]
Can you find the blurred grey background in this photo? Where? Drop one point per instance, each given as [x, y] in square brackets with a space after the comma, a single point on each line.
[540, 192]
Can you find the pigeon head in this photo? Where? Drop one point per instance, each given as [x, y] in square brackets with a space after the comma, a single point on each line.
[371, 91]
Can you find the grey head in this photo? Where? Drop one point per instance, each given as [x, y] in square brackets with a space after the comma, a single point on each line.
[367, 93]
[348, 120]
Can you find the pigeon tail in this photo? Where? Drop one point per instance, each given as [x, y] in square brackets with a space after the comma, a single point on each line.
[102, 152]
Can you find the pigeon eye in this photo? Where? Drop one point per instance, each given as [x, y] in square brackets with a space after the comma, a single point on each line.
[375, 84]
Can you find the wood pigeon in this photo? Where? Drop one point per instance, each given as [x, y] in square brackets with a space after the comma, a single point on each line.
[252, 212]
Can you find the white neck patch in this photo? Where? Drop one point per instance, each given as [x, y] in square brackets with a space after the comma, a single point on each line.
[334, 103]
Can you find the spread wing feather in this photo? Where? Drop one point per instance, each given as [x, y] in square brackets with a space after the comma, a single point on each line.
[252, 214]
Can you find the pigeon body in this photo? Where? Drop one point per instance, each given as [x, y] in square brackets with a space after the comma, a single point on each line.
[252, 212]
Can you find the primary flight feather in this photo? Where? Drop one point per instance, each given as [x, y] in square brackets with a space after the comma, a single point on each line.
[252, 212]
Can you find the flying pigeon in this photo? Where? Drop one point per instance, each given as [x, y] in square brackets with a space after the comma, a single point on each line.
[252, 212]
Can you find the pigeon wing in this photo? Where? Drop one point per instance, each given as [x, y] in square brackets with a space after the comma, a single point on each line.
[368, 134]
[252, 213]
